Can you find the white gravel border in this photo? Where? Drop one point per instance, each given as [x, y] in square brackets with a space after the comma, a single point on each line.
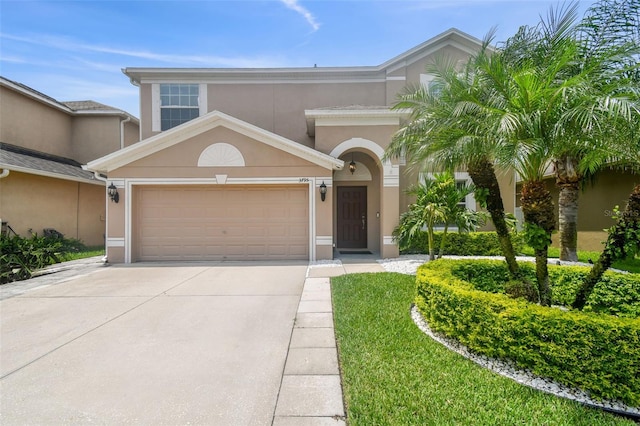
[408, 264]
[524, 377]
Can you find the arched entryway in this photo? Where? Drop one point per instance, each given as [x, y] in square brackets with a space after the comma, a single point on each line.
[380, 180]
[357, 204]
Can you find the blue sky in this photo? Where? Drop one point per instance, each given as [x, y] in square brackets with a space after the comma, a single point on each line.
[75, 50]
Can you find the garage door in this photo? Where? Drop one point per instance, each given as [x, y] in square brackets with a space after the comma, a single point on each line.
[221, 222]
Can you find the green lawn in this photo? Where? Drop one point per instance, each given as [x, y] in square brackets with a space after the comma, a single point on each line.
[631, 265]
[393, 374]
[82, 254]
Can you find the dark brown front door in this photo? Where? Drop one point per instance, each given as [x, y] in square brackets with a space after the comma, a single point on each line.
[352, 217]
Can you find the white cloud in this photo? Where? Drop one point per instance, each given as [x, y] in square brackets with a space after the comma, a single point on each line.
[294, 5]
[67, 44]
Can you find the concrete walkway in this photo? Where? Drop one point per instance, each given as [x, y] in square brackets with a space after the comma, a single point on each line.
[173, 344]
[311, 391]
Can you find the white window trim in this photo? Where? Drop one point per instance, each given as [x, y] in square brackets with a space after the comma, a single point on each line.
[156, 126]
[155, 107]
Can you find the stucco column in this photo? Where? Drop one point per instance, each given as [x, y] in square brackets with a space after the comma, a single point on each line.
[115, 241]
[324, 219]
[390, 206]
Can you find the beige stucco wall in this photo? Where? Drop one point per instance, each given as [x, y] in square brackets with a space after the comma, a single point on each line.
[34, 125]
[278, 108]
[94, 136]
[181, 160]
[131, 133]
[595, 205]
[37, 202]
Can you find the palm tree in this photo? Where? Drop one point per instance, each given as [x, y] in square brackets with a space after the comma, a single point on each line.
[446, 132]
[603, 50]
[624, 236]
[437, 204]
[451, 194]
[426, 212]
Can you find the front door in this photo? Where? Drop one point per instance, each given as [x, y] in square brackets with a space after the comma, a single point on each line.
[352, 217]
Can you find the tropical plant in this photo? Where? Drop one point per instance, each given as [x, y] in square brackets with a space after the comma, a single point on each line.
[445, 131]
[603, 49]
[437, 204]
[623, 238]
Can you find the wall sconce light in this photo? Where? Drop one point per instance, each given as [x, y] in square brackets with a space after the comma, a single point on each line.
[323, 191]
[352, 165]
[113, 193]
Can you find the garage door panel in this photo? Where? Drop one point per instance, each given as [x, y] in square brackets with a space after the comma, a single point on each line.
[221, 222]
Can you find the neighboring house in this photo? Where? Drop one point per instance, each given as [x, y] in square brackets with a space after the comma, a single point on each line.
[599, 196]
[233, 162]
[43, 144]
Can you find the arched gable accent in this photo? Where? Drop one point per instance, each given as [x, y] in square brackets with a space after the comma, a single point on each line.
[221, 155]
[391, 172]
[355, 143]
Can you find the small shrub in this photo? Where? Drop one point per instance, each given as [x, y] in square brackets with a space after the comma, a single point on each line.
[20, 257]
[464, 244]
[595, 352]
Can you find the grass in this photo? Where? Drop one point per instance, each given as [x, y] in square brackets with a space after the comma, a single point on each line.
[82, 253]
[631, 265]
[393, 374]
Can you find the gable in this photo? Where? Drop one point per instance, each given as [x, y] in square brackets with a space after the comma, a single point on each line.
[183, 145]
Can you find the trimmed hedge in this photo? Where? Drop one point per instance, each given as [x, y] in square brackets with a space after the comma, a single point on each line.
[465, 244]
[616, 294]
[595, 352]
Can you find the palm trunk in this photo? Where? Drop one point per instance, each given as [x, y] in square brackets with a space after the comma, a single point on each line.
[568, 222]
[538, 210]
[615, 247]
[443, 240]
[542, 276]
[484, 177]
[432, 249]
[568, 181]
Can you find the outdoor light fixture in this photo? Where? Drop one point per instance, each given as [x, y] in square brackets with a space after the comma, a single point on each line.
[323, 191]
[113, 193]
[352, 165]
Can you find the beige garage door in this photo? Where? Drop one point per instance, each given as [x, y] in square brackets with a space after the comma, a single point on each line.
[218, 222]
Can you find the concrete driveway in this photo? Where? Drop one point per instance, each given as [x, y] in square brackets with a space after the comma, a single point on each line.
[151, 344]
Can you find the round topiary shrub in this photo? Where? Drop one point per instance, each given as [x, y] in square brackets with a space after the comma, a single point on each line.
[597, 351]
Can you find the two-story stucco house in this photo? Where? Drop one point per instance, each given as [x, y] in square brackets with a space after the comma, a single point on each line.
[43, 144]
[282, 163]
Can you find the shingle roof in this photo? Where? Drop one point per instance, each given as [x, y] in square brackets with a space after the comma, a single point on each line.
[28, 160]
[89, 106]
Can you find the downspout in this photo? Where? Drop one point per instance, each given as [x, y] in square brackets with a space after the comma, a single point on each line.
[122, 122]
[106, 222]
[4, 174]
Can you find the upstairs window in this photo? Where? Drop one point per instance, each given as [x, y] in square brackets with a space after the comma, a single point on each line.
[178, 104]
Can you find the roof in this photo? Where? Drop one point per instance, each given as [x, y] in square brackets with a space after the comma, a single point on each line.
[89, 106]
[451, 37]
[200, 125]
[75, 108]
[19, 159]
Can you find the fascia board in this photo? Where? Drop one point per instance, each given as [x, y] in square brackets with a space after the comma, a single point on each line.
[431, 46]
[36, 96]
[303, 75]
[29, 171]
[355, 113]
